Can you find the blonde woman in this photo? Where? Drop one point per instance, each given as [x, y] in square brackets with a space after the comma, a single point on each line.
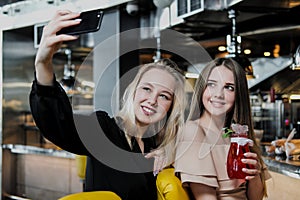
[151, 113]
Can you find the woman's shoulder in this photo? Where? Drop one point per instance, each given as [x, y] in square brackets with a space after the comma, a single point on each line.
[101, 113]
[104, 116]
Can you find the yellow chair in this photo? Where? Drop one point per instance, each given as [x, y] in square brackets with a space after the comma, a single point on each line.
[95, 195]
[169, 187]
[80, 166]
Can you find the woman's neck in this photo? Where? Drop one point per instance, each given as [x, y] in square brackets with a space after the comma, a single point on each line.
[215, 122]
[140, 131]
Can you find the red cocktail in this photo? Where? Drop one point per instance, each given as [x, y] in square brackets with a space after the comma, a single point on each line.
[239, 145]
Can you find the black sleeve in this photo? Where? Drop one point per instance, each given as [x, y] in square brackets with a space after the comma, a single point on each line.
[53, 115]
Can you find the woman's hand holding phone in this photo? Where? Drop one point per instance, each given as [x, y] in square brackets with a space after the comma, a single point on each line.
[64, 26]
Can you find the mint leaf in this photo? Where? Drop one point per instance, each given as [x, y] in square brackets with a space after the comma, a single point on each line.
[227, 132]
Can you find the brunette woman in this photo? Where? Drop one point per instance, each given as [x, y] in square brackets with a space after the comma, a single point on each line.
[220, 98]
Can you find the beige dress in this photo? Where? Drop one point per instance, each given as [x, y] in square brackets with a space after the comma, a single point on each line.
[201, 157]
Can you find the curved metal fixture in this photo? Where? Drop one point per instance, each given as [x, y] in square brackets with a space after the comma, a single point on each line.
[68, 79]
[234, 47]
[233, 40]
[162, 3]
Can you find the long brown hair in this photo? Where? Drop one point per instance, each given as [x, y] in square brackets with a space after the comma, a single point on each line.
[241, 111]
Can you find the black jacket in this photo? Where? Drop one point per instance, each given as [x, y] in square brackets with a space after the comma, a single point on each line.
[111, 165]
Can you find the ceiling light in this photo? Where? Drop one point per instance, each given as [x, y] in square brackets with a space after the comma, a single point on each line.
[247, 51]
[294, 97]
[222, 48]
[267, 54]
[276, 50]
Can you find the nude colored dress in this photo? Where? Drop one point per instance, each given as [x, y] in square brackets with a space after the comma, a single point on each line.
[201, 157]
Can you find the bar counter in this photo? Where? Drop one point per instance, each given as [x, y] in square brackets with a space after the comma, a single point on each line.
[61, 179]
[29, 171]
[285, 177]
[276, 164]
[280, 163]
[283, 166]
[47, 150]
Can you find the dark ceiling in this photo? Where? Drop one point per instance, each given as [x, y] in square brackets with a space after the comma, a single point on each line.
[262, 25]
[5, 2]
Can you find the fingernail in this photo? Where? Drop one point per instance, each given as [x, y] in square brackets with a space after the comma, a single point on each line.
[243, 160]
[244, 169]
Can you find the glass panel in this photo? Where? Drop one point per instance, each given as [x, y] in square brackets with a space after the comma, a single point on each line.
[182, 7]
[196, 4]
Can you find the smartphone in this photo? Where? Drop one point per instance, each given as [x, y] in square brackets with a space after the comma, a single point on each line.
[90, 22]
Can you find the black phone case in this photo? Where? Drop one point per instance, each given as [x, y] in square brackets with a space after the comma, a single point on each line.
[90, 22]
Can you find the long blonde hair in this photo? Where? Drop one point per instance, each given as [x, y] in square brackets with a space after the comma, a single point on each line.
[241, 112]
[175, 116]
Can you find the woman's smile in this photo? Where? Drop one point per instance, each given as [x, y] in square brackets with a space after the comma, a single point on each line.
[148, 111]
[217, 103]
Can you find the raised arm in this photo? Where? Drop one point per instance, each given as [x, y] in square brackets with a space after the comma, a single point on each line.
[50, 106]
[50, 43]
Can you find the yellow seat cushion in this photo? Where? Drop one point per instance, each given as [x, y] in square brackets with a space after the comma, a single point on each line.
[169, 187]
[95, 195]
[80, 166]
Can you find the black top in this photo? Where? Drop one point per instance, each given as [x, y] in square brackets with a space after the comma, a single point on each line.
[109, 167]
